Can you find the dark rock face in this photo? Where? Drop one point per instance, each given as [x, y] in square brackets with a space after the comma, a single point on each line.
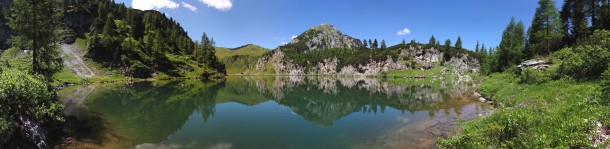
[78, 22]
[5, 32]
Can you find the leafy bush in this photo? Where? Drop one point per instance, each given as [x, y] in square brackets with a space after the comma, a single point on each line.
[139, 70]
[588, 58]
[584, 62]
[532, 76]
[23, 94]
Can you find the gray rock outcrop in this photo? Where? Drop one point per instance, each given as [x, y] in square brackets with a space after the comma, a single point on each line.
[534, 64]
[325, 36]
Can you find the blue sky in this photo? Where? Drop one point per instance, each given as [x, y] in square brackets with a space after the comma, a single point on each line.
[271, 23]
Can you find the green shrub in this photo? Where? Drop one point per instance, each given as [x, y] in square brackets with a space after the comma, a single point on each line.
[584, 62]
[139, 70]
[23, 94]
[605, 87]
[532, 76]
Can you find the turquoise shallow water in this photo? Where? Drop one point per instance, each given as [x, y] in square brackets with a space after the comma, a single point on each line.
[271, 112]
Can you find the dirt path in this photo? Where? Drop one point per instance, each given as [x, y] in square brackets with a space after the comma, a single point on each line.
[72, 56]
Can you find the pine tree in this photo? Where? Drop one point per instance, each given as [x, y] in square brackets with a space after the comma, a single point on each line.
[365, 43]
[511, 46]
[383, 45]
[36, 22]
[431, 42]
[604, 16]
[447, 50]
[109, 26]
[458, 43]
[574, 14]
[375, 44]
[483, 51]
[545, 33]
[476, 49]
[403, 42]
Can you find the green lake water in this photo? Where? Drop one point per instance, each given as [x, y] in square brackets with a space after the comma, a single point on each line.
[271, 112]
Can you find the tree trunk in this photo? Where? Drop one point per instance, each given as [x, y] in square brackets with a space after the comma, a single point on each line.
[35, 66]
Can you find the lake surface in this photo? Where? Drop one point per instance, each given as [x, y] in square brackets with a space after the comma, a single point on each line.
[271, 112]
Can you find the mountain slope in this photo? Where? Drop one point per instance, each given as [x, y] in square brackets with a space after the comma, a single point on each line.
[138, 43]
[129, 42]
[324, 36]
[72, 56]
[324, 50]
[246, 50]
[237, 60]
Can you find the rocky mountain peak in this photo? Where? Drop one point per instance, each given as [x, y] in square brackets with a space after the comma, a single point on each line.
[325, 36]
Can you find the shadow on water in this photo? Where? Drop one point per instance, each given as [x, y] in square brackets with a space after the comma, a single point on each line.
[146, 113]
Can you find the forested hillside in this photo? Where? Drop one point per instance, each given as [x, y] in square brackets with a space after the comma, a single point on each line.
[136, 43]
[143, 43]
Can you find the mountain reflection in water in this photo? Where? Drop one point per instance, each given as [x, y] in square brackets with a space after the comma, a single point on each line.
[272, 112]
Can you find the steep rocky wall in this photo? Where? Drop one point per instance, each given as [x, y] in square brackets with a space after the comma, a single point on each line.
[412, 58]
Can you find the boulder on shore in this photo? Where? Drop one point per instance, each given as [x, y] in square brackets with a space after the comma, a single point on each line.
[534, 64]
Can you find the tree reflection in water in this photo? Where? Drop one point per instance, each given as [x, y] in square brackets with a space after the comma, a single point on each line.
[146, 112]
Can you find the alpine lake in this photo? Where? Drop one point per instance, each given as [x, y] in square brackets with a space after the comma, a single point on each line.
[270, 112]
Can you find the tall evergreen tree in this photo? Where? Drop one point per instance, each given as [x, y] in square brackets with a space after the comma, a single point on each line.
[36, 22]
[574, 15]
[476, 49]
[383, 45]
[458, 43]
[365, 43]
[511, 46]
[566, 14]
[603, 21]
[432, 41]
[447, 50]
[545, 33]
[375, 44]
[109, 26]
[483, 51]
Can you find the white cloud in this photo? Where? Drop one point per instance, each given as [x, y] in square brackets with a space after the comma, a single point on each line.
[154, 4]
[222, 5]
[293, 36]
[189, 7]
[404, 31]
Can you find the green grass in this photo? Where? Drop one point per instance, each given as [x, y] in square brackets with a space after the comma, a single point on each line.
[15, 58]
[66, 77]
[81, 43]
[555, 114]
[247, 50]
[236, 60]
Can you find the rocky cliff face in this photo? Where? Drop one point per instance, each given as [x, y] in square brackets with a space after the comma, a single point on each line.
[325, 36]
[412, 58]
